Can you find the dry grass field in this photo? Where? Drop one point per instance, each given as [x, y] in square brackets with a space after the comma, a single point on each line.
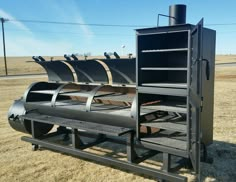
[19, 163]
[26, 65]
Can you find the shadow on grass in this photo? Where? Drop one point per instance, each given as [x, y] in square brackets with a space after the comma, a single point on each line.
[223, 167]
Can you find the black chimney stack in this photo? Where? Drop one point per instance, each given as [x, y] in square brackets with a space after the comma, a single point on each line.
[177, 14]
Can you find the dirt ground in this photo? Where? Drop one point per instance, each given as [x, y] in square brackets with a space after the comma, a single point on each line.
[19, 163]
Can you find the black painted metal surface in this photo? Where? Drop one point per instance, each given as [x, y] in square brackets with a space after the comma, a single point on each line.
[122, 70]
[158, 174]
[100, 104]
[57, 71]
[168, 110]
[18, 109]
[89, 71]
[177, 14]
[83, 125]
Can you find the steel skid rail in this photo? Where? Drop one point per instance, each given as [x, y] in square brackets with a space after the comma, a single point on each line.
[104, 132]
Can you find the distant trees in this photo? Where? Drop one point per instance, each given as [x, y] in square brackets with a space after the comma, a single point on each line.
[110, 53]
[130, 55]
[85, 55]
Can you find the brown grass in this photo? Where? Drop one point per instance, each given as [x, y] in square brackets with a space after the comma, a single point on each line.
[225, 58]
[19, 163]
[26, 65]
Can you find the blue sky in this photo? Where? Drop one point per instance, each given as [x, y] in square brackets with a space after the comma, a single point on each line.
[27, 39]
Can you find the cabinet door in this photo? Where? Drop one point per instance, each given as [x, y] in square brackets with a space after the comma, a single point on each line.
[195, 95]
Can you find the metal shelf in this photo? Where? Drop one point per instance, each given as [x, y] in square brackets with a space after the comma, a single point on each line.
[166, 141]
[76, 94]
[163, 69]
[173, 126]
[117, 97]
[51, 92]
[163, 91]
[73, 93]
[167, 85]
[168, 106]
[82, 125]
[164, 50]
[100, 95]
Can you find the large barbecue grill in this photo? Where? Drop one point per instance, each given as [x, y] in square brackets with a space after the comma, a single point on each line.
[162, 101]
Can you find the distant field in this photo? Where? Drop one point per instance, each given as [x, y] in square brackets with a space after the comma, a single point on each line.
[19, 163]
[25, 65]
[225, 58]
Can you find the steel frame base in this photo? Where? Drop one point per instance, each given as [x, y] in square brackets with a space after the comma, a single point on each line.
[162, 175]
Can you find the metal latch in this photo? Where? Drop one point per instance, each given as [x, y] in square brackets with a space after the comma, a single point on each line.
[201, 104]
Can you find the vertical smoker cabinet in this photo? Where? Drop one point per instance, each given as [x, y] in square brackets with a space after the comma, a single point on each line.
[175, 77]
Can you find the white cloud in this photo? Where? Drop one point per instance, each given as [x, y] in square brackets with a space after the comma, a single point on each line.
[85, 28]
[26, 44]
[70, 12]
[29, 44]
[18, 24]
[77, 17]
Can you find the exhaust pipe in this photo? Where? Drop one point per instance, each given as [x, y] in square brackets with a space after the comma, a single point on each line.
[177, 14]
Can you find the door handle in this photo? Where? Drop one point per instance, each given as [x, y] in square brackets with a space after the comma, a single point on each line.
[207, 68]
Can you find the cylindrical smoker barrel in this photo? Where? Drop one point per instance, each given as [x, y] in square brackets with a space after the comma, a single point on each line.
[101, 104]
[24, 126]
[177, 14]
[104, 104]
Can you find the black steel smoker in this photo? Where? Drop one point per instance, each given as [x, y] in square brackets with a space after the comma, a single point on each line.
[160, 102]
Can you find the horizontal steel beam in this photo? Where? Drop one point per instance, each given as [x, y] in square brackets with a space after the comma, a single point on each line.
[109, 161]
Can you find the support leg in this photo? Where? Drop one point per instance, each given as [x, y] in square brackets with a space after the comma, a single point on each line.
[166, 162]
[34, 135]
[33, 131]
[76, 141]
[131, 154]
